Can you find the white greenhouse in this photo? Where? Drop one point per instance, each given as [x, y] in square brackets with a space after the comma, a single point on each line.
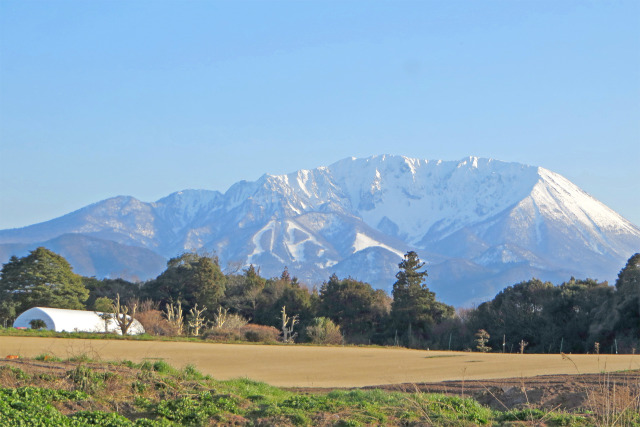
[61, 320]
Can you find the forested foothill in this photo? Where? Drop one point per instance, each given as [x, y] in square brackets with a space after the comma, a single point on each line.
[195, 297]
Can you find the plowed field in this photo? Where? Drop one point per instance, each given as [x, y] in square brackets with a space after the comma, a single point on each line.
[324, 367]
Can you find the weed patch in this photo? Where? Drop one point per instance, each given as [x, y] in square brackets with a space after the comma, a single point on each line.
[153, 393]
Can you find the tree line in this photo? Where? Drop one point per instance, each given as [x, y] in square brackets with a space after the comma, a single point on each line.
[578, 316]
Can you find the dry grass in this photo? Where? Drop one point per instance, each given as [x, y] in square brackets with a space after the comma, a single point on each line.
[615, 399]
[310, 366]
[613, 407]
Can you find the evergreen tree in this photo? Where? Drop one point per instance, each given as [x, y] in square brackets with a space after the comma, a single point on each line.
[189, 278]
[518, 312]
[110, 288]
[628, 291]
[243, 292]
[626, 315]
[482, 337]
[279, 292]
[7, 311]
[355, 306]
[572, 313]
[414, 309]
[41, 279]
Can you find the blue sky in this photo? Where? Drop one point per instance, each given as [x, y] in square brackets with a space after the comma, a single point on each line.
[144, 98]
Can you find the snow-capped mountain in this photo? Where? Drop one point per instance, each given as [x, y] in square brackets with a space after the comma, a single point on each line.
[480, 224]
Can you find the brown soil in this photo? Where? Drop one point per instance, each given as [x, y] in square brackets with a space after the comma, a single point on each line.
[323, 367]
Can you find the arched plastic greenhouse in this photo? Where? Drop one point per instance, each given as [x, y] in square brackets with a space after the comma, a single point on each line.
[61, 320]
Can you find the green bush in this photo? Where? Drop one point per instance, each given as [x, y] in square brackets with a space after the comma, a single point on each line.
[17, 373]
[37, 324]
[99, 418]
[195, 410]
[85, 379]
[191, 373]
[162, 367]
[47, 357]
[158, 366]
[324, 331]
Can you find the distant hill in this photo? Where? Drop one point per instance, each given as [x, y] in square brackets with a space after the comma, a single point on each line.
[480, 224]
[91, 256]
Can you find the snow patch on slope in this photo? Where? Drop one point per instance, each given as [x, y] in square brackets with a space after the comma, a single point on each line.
[261, 237]
[297, 238]
[362, 241]
[567, 202]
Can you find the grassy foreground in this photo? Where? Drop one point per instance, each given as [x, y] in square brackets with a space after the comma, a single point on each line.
[80, 392]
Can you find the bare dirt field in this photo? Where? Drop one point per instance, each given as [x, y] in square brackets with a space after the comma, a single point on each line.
[550, 392]
[329, 367]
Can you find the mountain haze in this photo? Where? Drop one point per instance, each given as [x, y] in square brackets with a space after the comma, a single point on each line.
[480, 224]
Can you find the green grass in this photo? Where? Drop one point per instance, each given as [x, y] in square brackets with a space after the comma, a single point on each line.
[44, 333]
[47, 356]
[153, 393]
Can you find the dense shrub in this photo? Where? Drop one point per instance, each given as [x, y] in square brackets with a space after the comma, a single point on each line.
[324, 331]
[260, 333]
[222, 335]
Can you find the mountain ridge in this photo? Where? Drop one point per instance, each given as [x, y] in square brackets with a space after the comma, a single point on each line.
[472, 215]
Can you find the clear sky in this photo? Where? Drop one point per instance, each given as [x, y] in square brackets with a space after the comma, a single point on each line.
[144, 98]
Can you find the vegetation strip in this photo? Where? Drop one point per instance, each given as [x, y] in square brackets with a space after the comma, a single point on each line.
[194, 297]
[156, 394]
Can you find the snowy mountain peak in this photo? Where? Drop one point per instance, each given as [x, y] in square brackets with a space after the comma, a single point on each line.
[481, 224]
[471, 162]
[566, 200]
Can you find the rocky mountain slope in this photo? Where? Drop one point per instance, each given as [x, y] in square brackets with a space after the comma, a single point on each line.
[480, 224]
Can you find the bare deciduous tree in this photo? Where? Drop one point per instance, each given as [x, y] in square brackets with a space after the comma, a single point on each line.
[123, 314]
[220, 317]
[523, 344]
[147, 305]
[173, 313]
[288, 336]
[196, 320]
[233, 267]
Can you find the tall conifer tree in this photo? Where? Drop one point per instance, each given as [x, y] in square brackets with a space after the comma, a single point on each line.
[414, 309]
